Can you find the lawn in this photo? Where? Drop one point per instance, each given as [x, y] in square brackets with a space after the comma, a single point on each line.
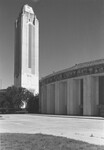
[17, 141]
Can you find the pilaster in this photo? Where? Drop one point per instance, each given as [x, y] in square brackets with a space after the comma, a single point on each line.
[91, 95]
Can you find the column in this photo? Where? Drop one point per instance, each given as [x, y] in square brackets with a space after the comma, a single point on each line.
[91, 96]
[44, 99]
[52, 99]
[77, 96]
[48, 99]
[41, 98]
[57, 98]
[73, 97]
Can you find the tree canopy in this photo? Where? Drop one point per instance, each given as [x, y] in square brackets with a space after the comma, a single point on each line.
[15, 97]
[33, 104]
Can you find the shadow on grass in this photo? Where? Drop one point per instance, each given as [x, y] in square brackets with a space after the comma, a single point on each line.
[18, 141]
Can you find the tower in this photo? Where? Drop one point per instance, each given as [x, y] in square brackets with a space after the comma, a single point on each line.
[26, 67]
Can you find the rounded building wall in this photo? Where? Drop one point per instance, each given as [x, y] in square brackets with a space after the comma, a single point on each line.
[73, 91]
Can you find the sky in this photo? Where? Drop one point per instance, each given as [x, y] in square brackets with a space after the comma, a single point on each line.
[70, 32]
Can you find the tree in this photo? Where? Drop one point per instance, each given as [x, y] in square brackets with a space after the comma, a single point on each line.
[6, 105]
[15, 98]
[33, 104]
[10, 96]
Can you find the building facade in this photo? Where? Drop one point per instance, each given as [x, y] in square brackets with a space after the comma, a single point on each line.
[78, 90]
[26, 68]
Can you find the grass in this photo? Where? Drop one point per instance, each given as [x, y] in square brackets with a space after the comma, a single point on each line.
[17, 141]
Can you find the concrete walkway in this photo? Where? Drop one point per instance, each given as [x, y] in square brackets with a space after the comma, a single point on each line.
[88, 129]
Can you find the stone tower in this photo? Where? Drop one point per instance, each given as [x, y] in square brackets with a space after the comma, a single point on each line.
[26, 67]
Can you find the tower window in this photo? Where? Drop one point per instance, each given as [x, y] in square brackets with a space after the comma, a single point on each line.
[30, 46]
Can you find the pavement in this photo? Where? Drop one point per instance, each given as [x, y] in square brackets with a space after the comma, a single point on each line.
[87, 129]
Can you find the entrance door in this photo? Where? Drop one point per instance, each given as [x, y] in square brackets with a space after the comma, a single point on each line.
[63, 98]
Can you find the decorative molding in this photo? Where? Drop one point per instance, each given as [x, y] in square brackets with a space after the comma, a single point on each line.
[95, 69]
